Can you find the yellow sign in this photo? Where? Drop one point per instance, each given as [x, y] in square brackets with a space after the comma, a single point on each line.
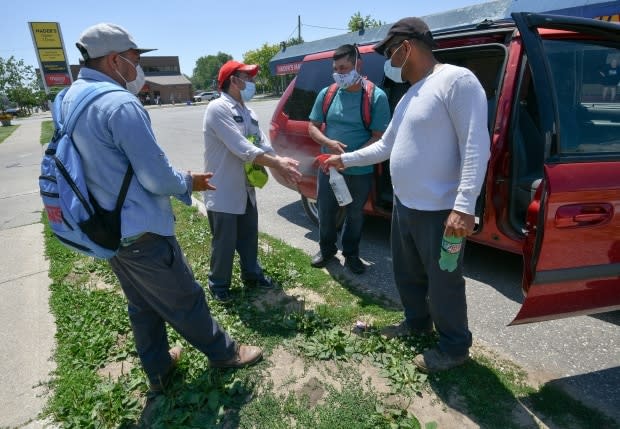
[609, 18]
[46, 34]
[51, 55]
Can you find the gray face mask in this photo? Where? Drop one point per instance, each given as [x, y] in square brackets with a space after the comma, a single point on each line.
[394, 73]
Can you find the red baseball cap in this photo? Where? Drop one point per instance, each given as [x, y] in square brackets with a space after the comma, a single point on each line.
[231, 66]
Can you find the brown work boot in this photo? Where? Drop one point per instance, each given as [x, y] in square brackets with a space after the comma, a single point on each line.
[402, 329]
[244, 356]
[434, 360]
[175, 356]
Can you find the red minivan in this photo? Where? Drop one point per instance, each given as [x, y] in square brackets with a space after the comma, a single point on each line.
[552, 191]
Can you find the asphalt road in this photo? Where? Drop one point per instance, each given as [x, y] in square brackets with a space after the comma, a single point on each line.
[579, 354]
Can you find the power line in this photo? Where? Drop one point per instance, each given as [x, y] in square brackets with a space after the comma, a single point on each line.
[326, 28]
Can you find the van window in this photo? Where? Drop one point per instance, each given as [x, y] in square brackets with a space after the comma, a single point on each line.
[486, 62]
[586, 75]
[315, 75]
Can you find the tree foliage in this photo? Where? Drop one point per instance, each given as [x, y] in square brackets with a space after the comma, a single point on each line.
[205, 73]
[357, 22]
[264, 80]
[18, 84]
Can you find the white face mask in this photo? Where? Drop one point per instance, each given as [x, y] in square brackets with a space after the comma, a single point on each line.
[345, 80]
[135, 85]
[248, 92]
[394, 73]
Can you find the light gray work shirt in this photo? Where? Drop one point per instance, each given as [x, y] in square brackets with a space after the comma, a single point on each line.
[226, 125]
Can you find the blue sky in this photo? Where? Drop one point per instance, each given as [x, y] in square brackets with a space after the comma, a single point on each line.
[191, 29]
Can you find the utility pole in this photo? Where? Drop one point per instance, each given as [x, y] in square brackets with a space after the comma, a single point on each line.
[299, 27]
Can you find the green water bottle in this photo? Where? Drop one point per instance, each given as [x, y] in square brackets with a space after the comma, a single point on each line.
[450, 251]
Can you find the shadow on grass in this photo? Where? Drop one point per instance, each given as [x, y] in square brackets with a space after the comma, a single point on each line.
[462, 388]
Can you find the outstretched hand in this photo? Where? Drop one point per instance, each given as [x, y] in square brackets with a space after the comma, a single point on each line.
[200, 182]
[288, 168]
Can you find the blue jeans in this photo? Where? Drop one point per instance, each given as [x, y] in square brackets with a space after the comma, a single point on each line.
[359, 187]
[160, 288]
[428, 294]
[234, 232]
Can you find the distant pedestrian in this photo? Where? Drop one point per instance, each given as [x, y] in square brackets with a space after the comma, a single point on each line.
[235, 150]
[157, 100]
[611, 78]
[114, 132]
[148, 99]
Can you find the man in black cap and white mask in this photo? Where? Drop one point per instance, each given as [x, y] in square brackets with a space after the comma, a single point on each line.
[113, 132]
[438, 145]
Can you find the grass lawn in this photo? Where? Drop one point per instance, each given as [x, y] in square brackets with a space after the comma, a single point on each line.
[47, 131]
[5, 132]
[316, 373]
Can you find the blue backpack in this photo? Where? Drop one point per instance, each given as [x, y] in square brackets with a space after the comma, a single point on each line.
[74, 216]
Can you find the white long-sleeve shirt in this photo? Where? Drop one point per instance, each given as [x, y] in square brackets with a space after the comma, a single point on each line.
[437, 142]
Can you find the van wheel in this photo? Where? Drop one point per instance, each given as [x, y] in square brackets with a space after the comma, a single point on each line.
[312, 211]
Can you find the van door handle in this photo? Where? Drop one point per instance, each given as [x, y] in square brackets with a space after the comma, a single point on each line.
[576, 215]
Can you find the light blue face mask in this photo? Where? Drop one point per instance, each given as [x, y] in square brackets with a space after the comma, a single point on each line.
[394, 73]
[248, 92]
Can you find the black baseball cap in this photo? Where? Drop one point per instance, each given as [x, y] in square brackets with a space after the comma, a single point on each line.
[412, 28]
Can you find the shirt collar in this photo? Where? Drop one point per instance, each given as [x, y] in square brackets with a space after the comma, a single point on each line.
[92, 74]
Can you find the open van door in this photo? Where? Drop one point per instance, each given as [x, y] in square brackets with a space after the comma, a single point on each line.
[572, 246]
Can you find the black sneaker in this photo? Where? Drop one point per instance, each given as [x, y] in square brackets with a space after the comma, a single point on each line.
[355, 264]
[318, 261]
[222, 296]
[264, 283]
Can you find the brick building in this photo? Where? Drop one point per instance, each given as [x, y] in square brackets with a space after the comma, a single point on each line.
[163, 79]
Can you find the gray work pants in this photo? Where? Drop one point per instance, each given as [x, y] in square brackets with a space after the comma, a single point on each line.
[428, 294]
[160, 287]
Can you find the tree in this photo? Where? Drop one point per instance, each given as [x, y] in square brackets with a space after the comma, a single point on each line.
[264, 80]
[357, 23]
[18, 83]
[205, 73]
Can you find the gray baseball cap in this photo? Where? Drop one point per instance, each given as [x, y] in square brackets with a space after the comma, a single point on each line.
[103, 39]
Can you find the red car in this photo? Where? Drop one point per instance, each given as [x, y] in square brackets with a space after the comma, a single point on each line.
[552, 191]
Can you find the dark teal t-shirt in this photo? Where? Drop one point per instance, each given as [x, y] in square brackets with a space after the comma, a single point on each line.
[344, 120]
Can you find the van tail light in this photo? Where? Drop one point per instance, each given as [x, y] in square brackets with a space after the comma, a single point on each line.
[578, 215]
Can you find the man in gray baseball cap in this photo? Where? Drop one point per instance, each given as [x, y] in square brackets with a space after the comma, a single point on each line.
[112, 134]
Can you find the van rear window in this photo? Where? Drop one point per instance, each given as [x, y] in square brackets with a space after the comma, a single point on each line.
[316, 75]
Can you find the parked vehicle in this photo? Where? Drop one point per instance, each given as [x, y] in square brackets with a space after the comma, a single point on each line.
[206, 96]
[552, 190]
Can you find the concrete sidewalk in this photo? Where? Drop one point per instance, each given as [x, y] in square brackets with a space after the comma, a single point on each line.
[28, 328]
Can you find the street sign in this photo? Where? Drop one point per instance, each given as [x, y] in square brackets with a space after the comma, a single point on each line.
[51, 54]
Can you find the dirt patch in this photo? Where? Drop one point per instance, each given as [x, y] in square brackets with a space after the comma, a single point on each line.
[295, 300]
[301, 377]
[114, 370]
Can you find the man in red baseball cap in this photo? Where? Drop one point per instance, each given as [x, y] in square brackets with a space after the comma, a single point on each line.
[236, 150]
[231, 67]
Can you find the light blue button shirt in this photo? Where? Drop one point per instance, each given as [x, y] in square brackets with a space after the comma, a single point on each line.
[112, 132]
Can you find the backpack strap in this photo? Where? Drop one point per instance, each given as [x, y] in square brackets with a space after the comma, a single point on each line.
[57, 109]
[327, 100]
[368, 91]
[78, 105]
[81, 101]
